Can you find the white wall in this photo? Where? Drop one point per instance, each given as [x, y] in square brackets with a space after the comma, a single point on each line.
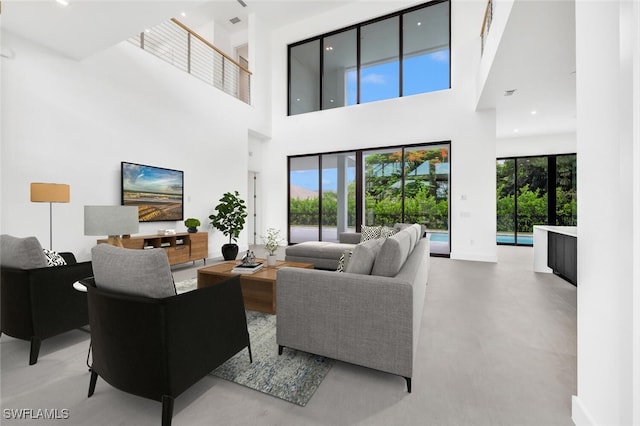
[564, 143]
[73, 122]
[433, 117]
[607, 117]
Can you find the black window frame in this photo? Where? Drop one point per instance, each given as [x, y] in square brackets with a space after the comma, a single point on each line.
[358, 27]
[552, 219]
[359, 159]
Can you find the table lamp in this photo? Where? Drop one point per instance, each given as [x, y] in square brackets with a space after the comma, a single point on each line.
[50, 193]
[113, 221]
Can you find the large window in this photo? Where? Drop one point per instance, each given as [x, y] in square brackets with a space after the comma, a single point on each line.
[534, 191]
[338, 192]
[401, 54]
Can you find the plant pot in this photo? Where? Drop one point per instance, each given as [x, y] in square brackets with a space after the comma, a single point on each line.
[271, 260]
[192, 230]
[229, 251]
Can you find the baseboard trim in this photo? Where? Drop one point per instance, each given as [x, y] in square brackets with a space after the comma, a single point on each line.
[579, 413]
[474, 257]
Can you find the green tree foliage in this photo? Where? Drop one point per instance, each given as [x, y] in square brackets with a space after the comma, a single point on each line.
[532, 182]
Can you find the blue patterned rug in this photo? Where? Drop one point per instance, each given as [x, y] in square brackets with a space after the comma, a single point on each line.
[293, 376]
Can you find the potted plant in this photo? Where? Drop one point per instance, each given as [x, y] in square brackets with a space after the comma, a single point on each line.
[272, 241]
[230, 215]
[192, 224]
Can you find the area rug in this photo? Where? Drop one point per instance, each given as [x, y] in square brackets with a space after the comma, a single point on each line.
[293, 376]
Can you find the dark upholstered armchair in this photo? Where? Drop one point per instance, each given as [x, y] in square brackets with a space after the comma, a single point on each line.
[39, 301]
[157, 347]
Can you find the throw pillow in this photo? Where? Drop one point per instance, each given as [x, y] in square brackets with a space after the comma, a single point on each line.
[344, 261]
[53, 258]
[369, 233]
[363, 257]
[386, 232]
[21, 253]
[136, 272]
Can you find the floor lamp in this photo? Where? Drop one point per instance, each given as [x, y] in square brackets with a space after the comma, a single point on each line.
[113, 221]
[50, 193]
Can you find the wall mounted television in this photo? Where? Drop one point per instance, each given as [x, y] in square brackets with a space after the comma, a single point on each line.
[158, 192]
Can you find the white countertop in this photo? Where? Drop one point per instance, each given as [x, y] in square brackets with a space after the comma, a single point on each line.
[566, 230]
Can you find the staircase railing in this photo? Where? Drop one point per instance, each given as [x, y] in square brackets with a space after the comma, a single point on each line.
[486, 24]
[177, 44]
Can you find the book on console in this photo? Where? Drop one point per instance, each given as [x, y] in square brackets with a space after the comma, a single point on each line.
[247, 269]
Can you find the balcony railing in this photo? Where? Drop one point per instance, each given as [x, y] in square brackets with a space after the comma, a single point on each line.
[177, 44]
[486, 24]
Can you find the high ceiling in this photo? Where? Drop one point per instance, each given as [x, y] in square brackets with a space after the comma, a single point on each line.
[537, 58]
[536, 55]
[85, 27]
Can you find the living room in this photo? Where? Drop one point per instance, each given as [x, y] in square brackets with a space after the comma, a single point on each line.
[73, 120]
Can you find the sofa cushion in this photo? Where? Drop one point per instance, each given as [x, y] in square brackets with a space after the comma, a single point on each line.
[21, 253]
[394, 252]
[136, 272]
[363, 257]
[369, 233]
[318, 249]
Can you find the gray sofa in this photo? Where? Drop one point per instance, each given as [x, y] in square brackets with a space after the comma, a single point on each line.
[370, 320]
[323, 254]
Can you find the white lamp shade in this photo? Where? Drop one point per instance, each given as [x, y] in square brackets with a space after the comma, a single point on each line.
[110, 220]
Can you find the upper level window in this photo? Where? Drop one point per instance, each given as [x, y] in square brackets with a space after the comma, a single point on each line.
[401, 54]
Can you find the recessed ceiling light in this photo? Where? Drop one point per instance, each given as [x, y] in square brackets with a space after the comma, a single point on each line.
[515, 130]
[183, 14]
[331, 100]
[147, 31]
[419, 23]
[328, 48]
[62, 2]
[534, 112]
[298, 99]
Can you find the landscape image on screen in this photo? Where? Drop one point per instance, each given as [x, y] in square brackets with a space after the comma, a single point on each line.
[157, 192]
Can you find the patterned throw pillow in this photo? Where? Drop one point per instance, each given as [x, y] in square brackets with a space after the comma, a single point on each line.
[344, 260]
[53, 258]
[386, 232]
[369, 233]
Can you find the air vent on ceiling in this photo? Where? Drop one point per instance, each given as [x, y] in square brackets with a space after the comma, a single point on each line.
[234, 20]
[509, 92]
[242, 3]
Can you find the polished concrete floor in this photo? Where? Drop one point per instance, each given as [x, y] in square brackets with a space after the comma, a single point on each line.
[497, 347]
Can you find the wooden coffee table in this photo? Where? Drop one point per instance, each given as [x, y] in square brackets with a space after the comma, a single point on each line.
[258, 289]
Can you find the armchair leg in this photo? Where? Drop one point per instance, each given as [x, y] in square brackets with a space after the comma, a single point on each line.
[280, 349]
[92, 383]
[408, 379]
[250, 356]
[167, 410]
[35, 350]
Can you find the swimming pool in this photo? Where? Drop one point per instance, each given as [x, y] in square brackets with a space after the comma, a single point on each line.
[509, 239]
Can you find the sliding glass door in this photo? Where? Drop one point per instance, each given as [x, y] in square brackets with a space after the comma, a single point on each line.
[321, 197]
[532, 191]
[304, 198]
[336, 192]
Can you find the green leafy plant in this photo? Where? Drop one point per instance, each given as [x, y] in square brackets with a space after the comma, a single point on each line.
[272, 240]
[230, 215]
[192, 222]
